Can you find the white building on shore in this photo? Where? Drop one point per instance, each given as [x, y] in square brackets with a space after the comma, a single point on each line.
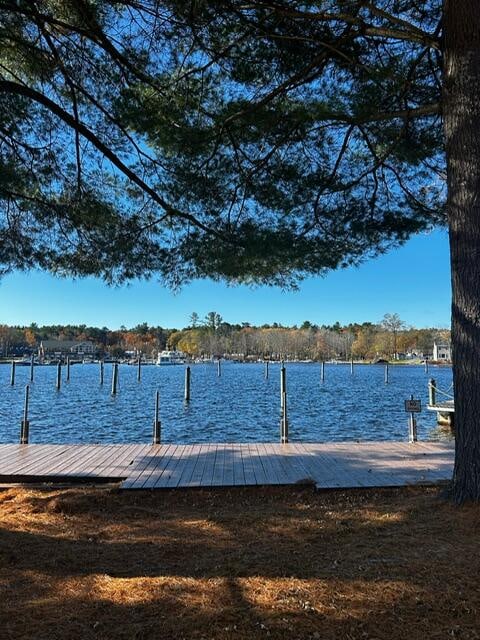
[442, 352]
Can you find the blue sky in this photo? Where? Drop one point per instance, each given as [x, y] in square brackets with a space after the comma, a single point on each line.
[413, 281]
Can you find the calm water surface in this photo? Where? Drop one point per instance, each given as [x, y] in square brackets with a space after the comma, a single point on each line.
[240, 406]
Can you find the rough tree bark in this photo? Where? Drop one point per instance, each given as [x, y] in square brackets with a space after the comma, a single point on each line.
[461, 109]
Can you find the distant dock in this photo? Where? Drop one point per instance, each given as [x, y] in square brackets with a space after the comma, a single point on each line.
[445, 409]
[169, 466]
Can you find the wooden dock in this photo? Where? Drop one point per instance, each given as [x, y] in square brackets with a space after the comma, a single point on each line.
[168, 466]
[445, 413]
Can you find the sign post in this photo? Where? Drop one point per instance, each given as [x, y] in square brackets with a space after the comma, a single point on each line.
[412, 407]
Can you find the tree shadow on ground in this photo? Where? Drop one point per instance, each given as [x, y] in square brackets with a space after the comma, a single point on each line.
[284, 563]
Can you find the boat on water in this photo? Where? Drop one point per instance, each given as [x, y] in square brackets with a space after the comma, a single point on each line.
[170, 358]
[24, 362]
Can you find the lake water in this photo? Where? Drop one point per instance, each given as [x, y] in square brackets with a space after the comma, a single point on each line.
[239, 406]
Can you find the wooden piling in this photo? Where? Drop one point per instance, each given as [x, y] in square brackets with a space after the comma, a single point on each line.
[12, 374]
[426, 366]
[32, 363]
[265, 373]
[114, 378]
[187, 385]
[322, 371]
[351, 366]
[219, 368]
[386, 373]
[156, 422]
[139, 369]
[68, 368]
[101, 371]
[432, 392]
[25, 424]
[59, 376]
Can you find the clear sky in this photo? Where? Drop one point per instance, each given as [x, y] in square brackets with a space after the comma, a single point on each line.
[413, 281]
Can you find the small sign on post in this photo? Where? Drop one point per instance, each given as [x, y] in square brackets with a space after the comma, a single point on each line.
[412, 407]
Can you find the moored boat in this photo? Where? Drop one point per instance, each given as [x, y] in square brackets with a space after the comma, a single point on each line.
[170, 358]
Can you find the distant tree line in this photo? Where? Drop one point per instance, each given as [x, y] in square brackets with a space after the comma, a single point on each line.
[390, 338]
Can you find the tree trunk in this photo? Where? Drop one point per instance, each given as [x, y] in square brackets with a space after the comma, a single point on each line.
[461, 109]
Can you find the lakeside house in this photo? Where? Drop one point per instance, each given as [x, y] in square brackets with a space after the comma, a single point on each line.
[62, 348]
[442, 352]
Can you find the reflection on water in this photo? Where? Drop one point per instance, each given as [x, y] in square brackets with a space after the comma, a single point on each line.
[240, 406]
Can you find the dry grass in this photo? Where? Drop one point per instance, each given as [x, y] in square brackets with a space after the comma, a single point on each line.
[250, 563]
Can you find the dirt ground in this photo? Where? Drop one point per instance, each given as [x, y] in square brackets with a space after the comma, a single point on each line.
[247, 563]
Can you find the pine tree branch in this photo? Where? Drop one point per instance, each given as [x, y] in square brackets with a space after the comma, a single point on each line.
[16, 88]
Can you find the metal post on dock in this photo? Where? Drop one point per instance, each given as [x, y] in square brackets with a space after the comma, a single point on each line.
[32, 363]
[386, 373]
[101, 371]
[68, 368]
[114, 378]
[25, 424]
[59, 376]
[412, 426]
[284, 420]
[156, 422]
[265, 374]
[219, 368]
[432, 392]
[12, 374]
[139, 368]
[187, 385]
[322, 371]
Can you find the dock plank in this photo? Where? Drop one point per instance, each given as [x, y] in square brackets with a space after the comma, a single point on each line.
[196, 477]
[228, 466]
[217, 476]
[164, 469]
[175, 477]
[143, 465]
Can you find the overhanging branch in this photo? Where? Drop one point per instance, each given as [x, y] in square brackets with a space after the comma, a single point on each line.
[8, 86]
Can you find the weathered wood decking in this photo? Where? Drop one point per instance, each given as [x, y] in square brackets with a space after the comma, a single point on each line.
[333, 465]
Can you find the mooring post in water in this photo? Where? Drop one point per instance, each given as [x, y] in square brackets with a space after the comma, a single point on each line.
[58, 384]
[351, 365]
[139, 368]
[426, 365]
[266, 370]
[322, 371]
[68, 368]
[412, 426]
[114, 378]
[284, 420]
[219, 368]
[25, 424]
[12, 373]
[187, 385]
[32, 363]
[386, 373]
[432, 392]
[283, 384]
[101, 371]
[156, 422]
